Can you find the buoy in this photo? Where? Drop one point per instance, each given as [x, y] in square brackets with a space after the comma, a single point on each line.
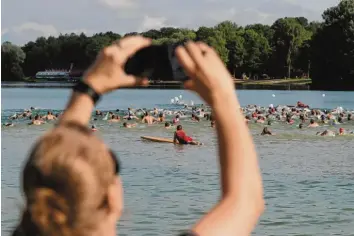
[273, 95]
[323, 95]
[180, 96]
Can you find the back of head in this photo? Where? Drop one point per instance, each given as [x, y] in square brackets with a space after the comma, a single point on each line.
[65, 183]
[179, 127]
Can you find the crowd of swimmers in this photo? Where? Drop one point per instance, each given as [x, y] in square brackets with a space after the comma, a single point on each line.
[301, 114]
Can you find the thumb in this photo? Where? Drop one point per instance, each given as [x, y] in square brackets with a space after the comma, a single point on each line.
[132, 81]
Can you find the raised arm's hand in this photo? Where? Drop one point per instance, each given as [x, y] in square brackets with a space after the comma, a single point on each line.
[105, 75]
[242, 195]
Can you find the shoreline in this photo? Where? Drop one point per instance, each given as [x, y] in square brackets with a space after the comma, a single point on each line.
[281, 84]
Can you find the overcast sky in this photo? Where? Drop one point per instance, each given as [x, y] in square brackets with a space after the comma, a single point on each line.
[25, 20]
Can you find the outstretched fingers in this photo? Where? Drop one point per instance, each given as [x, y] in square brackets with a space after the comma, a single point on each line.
[189, 65]
[130, 45]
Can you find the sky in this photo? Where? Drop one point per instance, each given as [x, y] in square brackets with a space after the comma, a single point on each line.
[25, 20]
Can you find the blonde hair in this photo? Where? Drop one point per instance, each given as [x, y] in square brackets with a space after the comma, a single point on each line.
[65, 183]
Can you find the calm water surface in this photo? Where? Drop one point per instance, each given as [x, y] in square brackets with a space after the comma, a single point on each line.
[308, 180]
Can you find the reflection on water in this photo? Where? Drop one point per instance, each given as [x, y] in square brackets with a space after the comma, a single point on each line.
[308, 180]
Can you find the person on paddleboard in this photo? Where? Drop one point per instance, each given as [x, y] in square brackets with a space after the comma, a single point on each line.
[182, 138]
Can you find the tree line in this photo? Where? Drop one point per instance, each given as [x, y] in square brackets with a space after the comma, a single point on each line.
[290, 47]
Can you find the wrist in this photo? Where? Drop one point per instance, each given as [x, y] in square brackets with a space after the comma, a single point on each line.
[95, 82]
[222, 101]
[79, 109]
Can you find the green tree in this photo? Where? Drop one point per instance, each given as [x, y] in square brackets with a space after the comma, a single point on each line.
[333, 48]
[214, 38]
[264, 30]
[12, 57]
[257, 52]
[289, 36]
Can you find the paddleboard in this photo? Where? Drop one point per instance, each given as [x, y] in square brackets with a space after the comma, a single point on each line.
[157, 139]
[161, 140]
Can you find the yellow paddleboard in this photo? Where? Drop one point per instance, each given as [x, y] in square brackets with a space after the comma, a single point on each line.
[162, 140]
[157, 139]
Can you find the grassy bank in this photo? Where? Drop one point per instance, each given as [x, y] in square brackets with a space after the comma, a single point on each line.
[278, 84]
[275, 82]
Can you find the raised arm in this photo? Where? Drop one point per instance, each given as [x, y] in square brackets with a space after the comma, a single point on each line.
[241, 201]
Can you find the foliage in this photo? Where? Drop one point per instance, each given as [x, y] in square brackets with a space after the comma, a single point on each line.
[332, 48]
[11, 58]
[291, 47]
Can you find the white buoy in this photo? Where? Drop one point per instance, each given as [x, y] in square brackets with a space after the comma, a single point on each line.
[273, 95]
[180, 96]
[323, 95]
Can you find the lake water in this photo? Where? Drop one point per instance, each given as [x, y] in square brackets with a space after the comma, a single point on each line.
[308, 180]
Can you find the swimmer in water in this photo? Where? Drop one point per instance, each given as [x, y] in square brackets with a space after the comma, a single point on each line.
[326, 133]
[155, 111]
[266, 131]
[37, 120]
[180, 137]
[114, 118]
[313, 124]
[99, 113]
[289, 120]
[130, 115]
[9, 125]
[301, 126]
[175, 120]
[149, 119]
[161, 118]
[212, 124]
[126, 125]
[302, 118]
[341, 131]
[50, 116]
[168, 125]
[93, 128]
[195, 118]
[260, 120]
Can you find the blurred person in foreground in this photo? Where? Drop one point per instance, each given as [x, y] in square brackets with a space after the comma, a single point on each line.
[71, 180]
